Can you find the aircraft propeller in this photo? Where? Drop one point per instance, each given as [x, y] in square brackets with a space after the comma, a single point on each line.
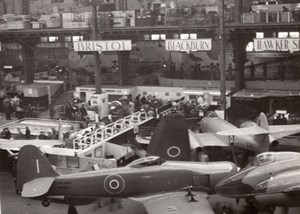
[233, 154]
[191, 195]
[72, 209]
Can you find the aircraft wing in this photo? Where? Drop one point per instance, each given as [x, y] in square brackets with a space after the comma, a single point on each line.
[205, 139]
[176, 202]
[280, 131]
[16, 145]
[253, 130]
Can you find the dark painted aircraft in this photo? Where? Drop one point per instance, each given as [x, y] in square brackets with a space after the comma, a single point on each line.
[271, 179]
[149, 176]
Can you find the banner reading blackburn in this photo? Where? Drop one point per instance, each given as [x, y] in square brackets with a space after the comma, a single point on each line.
[188, 45]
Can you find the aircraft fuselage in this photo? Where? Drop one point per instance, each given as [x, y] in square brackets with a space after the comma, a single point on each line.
[273, 183]
[129, 181]
[215, 124]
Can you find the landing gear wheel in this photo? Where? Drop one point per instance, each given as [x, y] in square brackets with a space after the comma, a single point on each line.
[46, 203]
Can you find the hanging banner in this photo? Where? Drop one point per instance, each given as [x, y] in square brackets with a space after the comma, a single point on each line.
[188, 45]
[277, 44]
[99, 46]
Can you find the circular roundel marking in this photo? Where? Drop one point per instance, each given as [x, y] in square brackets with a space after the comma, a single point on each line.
[173, 151]
[114, 184]
[231, 139]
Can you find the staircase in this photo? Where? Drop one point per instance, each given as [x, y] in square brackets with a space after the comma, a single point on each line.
[93, 138]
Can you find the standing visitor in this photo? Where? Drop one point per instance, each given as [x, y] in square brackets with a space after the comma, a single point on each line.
[281, 71]
[265, 71]
[252, 71]
[229, 70]
[27, 133]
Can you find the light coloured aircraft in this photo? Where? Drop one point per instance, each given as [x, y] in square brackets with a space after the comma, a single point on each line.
[157, 183]
[271, 179]
[256, 137]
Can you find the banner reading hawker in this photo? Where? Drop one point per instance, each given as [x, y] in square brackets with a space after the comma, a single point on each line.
[99, 46]
[188, 45]
[277, 44]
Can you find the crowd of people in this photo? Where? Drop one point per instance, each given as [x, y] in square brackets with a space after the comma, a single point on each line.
[51, 134]
[126, 106]
[16, 108]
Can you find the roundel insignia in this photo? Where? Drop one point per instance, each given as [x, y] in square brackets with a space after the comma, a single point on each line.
[114, 184]
[173, 151]
[231, 139]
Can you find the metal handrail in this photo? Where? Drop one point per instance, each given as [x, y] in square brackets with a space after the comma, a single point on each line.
[111, 130]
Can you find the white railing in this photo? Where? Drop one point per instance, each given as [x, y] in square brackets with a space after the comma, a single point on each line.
[110, 131]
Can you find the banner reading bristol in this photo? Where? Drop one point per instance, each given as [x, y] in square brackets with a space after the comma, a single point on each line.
[277, 44]
[99, 46]
[188, 45]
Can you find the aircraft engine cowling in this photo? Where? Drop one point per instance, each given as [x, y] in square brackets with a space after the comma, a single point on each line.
[278, 199]
[279, 190]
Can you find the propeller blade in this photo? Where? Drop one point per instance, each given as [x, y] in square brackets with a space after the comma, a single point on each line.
[233, 154]
[72, 210]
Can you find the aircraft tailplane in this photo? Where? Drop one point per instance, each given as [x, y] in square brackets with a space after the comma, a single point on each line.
[32, 164]
[263, 140]
[171, 139]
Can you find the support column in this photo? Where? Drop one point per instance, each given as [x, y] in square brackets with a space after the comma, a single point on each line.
[239, 42]
[123, 59]
[28, 61]
[238, 10]
[98, 81]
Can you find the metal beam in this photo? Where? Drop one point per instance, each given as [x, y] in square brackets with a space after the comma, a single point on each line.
[222, 59]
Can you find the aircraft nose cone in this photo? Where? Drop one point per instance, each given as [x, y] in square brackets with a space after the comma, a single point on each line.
[234, 187]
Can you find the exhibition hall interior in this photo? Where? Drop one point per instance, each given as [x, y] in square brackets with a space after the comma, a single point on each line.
[149, 106]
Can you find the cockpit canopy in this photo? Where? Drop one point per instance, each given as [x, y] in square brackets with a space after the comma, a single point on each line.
[212, 114]
[270, 157]
[146, 161]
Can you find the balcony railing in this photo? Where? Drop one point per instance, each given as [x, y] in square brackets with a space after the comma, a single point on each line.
[133, 19]
[271, 17]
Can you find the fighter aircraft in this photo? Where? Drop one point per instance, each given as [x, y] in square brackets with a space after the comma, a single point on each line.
[255, 137]
[272, 179]
[145, 180]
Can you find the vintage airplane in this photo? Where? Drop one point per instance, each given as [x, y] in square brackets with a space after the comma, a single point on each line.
[254, 137]
[145, 180]
[272, 179]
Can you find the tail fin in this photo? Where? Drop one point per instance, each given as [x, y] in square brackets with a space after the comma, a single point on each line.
[262, 121]
[32, 164]
[170, 139]
[263, 140]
